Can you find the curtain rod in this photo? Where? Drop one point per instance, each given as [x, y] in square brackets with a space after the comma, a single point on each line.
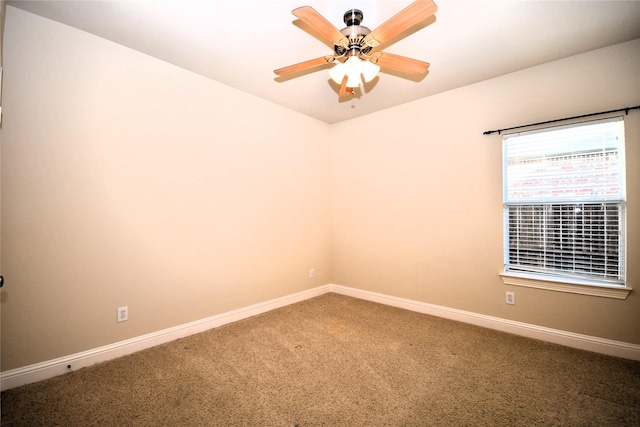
[626, 110]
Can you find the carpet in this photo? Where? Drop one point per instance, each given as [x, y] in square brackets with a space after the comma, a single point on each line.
[334, 360]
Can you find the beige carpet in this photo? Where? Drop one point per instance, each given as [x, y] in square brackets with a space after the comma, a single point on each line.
[340, 361]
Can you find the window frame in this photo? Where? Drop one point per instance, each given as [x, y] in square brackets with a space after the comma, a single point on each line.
[566, 282]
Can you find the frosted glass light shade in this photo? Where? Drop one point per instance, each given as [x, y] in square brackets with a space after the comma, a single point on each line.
[337, 72]
[369, 70]
[352, 68]
[355, 69]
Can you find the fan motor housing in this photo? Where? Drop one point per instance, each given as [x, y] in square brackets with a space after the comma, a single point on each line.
[354, 32]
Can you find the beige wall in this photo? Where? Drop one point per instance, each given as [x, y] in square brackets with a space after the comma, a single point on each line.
[127, 181]
[417, 193]
[131, 182]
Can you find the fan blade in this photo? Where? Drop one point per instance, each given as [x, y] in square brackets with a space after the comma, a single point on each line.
[400, 63]
[416, 12]
[311, 17]
[344, 90]
[303, 65]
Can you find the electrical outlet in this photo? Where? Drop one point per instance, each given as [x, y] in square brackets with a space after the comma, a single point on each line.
[312, 273]
[510, 298]
[123, 314]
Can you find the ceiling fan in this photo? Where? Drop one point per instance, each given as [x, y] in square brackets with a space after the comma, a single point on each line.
[357, 50]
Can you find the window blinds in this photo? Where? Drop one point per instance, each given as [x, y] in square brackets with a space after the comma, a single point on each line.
[580, 240]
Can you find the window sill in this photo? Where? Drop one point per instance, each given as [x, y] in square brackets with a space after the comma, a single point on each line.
[565, 285]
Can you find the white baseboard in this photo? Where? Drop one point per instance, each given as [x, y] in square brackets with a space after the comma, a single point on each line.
[51, 368]
[569, 339]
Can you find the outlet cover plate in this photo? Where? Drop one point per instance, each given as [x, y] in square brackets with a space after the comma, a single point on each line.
[123, 314]
[510, 298]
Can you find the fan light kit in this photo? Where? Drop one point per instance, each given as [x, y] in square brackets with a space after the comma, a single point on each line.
[357, 53]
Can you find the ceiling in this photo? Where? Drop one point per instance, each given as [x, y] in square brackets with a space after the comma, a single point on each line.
[241, 42]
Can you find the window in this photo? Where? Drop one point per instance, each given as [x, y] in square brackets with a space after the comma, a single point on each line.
[564, 204]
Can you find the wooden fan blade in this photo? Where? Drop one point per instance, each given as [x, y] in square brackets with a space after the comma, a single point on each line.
[311, 17]
[400, 63]
[408, 17]
[344, 90]
[303, 65]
